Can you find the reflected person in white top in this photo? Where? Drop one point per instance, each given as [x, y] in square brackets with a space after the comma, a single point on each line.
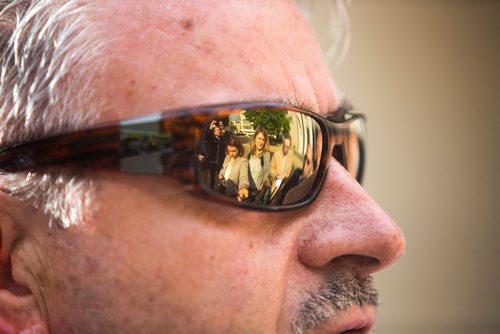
[234, 172]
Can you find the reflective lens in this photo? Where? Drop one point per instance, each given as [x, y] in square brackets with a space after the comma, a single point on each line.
[272, 156]
[264, 157]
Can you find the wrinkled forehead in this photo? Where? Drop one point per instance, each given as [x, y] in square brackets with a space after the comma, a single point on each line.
[168, 54]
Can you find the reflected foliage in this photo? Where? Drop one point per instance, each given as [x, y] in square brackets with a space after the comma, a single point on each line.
[275, 122]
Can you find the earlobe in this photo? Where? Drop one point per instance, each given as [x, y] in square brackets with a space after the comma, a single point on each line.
[19, 312]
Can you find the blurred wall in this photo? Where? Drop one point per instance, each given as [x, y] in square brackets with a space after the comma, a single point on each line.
[427, 75]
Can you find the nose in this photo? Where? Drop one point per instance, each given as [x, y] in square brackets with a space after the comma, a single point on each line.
[346, 227]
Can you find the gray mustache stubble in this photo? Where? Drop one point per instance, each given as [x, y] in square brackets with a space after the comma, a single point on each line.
[341, 291]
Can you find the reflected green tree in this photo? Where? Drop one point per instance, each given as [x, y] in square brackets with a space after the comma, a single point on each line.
[275, 122]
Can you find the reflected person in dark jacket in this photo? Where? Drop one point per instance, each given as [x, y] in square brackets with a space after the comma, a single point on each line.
[212, 153]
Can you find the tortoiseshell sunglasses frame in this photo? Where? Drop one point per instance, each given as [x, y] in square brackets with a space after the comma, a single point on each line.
[104, 146]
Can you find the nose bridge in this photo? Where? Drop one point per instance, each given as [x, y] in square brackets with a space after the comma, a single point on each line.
[347, 223]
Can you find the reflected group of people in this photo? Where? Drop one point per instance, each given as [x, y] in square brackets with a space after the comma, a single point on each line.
[259, 176]
[246, 177]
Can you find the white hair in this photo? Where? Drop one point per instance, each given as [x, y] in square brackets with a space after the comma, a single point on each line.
[50, 53]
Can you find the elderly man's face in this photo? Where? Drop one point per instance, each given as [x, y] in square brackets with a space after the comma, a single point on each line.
[156, 259]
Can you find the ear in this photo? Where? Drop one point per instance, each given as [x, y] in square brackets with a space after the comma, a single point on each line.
[19, 312]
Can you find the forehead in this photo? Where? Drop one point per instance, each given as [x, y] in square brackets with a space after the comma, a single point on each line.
[168, 54]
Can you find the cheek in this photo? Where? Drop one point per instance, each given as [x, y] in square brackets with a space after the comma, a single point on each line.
[160, 257]
[192, 269]
[204, 271]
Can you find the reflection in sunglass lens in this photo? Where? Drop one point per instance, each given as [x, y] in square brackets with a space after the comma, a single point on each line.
[260, 157]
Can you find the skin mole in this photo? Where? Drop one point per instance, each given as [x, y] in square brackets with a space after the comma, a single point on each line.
[187, 24]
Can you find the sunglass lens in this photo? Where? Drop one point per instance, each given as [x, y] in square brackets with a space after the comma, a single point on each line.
[260, 156]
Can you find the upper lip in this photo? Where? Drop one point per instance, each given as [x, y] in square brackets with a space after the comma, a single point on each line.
[355, 320]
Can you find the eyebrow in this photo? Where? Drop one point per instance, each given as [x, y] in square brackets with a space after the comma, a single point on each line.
[345, 107]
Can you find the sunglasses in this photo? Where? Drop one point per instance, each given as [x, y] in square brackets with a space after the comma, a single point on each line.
[268, 156]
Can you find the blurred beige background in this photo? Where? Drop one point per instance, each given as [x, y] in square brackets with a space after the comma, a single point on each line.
[427, 75]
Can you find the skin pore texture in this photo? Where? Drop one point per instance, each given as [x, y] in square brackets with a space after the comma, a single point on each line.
[153, 258]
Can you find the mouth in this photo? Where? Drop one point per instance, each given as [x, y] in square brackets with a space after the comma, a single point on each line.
[355, 320]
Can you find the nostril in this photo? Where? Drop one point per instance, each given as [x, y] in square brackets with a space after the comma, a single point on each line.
[359, 330]
[354, 331]
[360, 264]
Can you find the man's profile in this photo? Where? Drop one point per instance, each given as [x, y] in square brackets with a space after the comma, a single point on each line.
[105, 225]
